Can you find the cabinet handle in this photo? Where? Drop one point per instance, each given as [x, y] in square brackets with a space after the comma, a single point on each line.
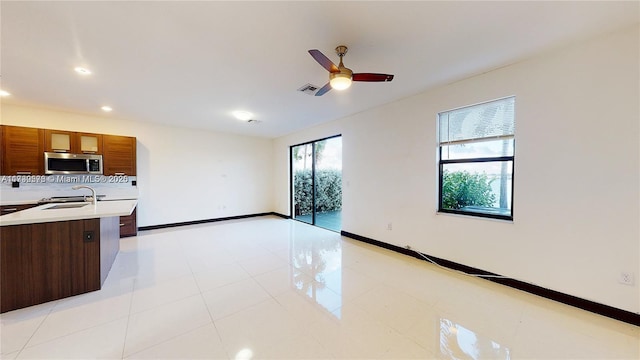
[23, 172]
[10, 209]
[119, 174]
[121, 224]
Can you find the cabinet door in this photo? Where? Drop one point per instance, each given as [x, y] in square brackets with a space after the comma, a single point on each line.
[129, 225]
[60, 141]
[89, 143]
[48, 261]
[119, 155]
[84, 255]
[22, 151]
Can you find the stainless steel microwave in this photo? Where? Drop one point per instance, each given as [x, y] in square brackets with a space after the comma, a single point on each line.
[63, 163]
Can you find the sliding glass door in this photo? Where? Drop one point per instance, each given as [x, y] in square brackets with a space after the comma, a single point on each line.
[302, 172]
[316, 182]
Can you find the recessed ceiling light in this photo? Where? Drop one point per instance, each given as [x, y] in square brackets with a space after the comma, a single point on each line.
[4, 93]
[82, 71]
[106, 108]
[243, 115]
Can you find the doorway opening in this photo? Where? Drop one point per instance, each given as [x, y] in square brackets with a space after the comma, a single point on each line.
[316, 182]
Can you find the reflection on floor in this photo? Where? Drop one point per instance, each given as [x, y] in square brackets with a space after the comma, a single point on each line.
[331, 220]
[276, 288]
[458, 342]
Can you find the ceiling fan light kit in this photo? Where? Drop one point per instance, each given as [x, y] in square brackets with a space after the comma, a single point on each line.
[341, 80]
[340, 77]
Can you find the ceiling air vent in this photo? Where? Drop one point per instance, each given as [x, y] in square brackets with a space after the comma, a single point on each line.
[309, 89]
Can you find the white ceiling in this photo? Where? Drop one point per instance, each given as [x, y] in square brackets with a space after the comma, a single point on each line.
[192, 63]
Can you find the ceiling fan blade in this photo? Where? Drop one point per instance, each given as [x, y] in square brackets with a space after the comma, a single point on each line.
[323, 89]
[324, 61]
[372, 77]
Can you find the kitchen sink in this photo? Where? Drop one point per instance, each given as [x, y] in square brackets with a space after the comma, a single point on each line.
[67, 199]
[66, 206]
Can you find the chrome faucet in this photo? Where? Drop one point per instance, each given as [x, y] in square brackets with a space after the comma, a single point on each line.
[93, 192]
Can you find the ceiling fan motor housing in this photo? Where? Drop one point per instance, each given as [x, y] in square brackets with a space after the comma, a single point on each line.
[344, 72]
[341, 50]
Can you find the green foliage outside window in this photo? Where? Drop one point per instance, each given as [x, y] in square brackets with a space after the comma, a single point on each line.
[328, 196]
[461, 188]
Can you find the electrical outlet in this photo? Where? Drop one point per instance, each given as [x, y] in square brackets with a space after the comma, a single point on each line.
[626, 278]
[389, 226]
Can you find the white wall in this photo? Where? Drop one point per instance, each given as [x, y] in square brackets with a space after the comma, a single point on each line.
[577, 186]
[183, 174]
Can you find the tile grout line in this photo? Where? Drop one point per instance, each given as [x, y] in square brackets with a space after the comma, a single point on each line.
[281, 305]
[126, 330]
[213, 322]
[167, 340]
[72, 333]
[209, 312]
[177, 335]
[195, 280]
[37, 328]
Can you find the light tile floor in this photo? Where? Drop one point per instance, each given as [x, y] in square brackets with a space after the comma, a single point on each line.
[281, 289]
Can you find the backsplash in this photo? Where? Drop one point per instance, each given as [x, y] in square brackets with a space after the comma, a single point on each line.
[38, 187]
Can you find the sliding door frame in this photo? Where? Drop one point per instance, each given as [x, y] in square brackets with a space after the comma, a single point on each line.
[313, 178]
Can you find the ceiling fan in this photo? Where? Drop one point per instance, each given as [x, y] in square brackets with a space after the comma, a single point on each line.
[340, 77]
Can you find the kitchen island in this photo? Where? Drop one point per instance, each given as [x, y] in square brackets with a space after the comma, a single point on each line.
[54, 251]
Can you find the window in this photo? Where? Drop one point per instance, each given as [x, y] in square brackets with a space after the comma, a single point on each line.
[476, 148]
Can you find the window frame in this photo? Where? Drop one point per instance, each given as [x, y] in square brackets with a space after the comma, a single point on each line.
[507, 158]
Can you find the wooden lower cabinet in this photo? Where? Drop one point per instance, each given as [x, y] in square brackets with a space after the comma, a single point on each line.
[49, 261]
[129, 225]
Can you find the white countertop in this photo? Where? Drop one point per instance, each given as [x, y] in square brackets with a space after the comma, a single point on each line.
[40, 214]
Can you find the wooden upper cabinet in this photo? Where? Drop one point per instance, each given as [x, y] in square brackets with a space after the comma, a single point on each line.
[119, 155]
[60, 141]
[89, 143]
[22, 150]
[72, 142]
